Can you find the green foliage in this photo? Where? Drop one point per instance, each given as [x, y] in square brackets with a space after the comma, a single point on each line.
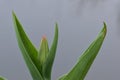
[29, 52]
[1, 78]
[80, 70]
[39, 62]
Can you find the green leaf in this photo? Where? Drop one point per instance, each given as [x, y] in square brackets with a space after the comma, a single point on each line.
[80, 70]
[1, 78]
[63, 77]
[29, 52]
[47, 66]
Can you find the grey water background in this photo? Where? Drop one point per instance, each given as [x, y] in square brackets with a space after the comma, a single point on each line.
[79, 23]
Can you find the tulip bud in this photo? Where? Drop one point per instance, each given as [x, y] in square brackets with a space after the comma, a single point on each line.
[43, 51]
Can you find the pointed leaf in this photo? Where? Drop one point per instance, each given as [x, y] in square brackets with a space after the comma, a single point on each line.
[28, 50]
[80, 70]
[47, 67]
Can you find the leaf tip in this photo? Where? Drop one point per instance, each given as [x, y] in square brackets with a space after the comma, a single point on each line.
[13, 14]
[104, 30]
[56, 26]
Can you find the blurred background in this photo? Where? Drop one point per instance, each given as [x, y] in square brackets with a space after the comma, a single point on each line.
[79, 23]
